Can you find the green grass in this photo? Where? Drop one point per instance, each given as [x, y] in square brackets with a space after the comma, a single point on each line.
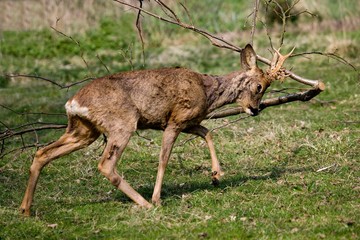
[271, 189]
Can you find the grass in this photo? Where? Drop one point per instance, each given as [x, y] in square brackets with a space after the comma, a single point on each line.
[273, 187]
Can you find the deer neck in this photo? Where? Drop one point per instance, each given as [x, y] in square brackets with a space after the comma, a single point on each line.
[222, 90]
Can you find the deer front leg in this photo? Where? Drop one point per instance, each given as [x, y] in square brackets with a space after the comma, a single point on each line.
[169, 137]
[215, 165]
[107, 167]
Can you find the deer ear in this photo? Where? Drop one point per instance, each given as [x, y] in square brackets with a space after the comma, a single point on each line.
[248, 58]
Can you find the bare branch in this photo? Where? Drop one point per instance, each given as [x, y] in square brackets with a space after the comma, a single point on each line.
[35, 145]
[216, 41]
[9, 133]
[268, 34]
[79, 82]
[212, 130]
[29, 113]
[139, 28]
[302, 96]
[6, 126]
[187, 13]
[25, 125]
[76, 42]
[330, 55]
[255, 13]
[2, 146]
[172, 14]
[303, 12]
[282, 15]
[128, 59]
[63, 34]
[325, 168]
[50, 81]
[221, 43]
[33, 76]
[101, 61]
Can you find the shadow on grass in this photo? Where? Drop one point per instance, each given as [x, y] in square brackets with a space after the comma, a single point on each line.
[170, 190]
[232, 181]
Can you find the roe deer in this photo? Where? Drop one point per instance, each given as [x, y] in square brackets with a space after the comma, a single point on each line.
[172, 99]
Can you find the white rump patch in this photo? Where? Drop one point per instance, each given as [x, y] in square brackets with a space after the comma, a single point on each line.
[74, 108]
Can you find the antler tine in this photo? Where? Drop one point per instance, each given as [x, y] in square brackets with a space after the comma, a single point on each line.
[275, 58]
[280, 59]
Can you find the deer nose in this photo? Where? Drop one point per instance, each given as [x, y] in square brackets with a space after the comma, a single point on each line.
[254, 111]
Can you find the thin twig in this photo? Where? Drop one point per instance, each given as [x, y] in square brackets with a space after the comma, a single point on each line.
[255, 12]
[67, 36]
[212, 130]
[216, 41]
[30, 113]
[101, 61]
[128, 59]
[139, 28]
[23, 126]
[172, 15]
[147, 139]
[325, 168]
[330, 55]
[36, 77]
[2, 146]
[2, 123]
[45, 127]
[36, 145]
[52, 81]
[187, 13]
[77, 43]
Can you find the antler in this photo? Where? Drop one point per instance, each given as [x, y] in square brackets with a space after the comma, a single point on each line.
[276, 71]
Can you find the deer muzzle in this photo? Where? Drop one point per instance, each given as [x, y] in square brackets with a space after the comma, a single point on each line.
[252, 111]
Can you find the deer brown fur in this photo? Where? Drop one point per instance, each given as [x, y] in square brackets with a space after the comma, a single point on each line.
[172, 99]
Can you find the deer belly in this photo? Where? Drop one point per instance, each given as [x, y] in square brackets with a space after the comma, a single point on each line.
[153, 121]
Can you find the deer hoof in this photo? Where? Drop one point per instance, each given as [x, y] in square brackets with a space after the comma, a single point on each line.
[156, 202]
[215, 181]
[215, 176]
[25, 212]
[147, 205]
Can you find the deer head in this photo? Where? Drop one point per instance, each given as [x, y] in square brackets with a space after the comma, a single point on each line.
[255, 84]
[257, 81]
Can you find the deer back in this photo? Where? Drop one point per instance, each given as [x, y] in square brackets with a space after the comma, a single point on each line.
[151, 97]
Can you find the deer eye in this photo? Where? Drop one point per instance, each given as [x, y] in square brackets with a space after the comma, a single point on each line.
[258, 88]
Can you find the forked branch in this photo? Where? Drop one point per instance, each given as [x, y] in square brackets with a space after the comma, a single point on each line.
[301, 96]
[67, 86]
[276, 70]
[216, 40]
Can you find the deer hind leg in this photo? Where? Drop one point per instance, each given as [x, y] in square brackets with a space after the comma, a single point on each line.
[215, 165]
[169, 137]
[107, 166]
[79, 134]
